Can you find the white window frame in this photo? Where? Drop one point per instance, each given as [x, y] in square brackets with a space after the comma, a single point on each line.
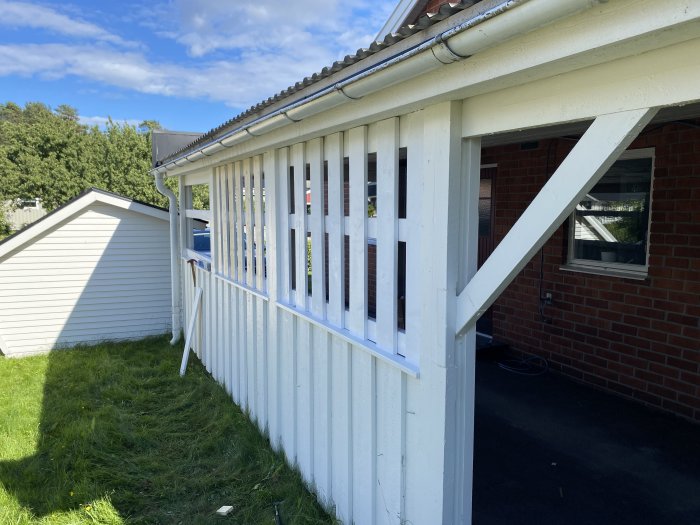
[630, 271]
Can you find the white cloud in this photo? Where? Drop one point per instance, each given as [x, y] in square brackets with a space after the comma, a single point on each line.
[240, 52]
[331, 27]
[101, 122]
[237, 84]
[24, 15]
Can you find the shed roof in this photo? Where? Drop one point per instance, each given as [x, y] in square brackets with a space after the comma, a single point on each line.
[72, 207]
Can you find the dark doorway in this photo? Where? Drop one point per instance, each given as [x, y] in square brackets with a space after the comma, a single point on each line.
[486, 214]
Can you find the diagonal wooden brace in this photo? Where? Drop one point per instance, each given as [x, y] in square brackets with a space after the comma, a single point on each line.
[598, 149]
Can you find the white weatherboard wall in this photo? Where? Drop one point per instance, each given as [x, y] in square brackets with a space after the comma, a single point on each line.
[102, 273]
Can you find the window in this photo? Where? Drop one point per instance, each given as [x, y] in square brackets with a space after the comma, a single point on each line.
[610, 227]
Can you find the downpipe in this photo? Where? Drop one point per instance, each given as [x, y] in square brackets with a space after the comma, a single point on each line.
[174, 262]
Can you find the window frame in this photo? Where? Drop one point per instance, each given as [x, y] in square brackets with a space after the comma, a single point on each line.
[616, 269]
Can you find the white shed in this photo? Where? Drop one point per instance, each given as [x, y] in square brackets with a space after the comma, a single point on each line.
[95, 269]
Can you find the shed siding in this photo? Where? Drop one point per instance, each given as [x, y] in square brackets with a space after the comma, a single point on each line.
[102, 274]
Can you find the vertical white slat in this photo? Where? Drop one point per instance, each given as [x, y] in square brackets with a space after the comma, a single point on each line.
[305, 406]
[219, 331]
[274, 213]
[225, 248]
[391, 413]
[213, 226]
[226, 342]
[288, 385]
[249, 223]
[314, 152]
[238, 174]
[209, 335]
[387, 137]
[357, 319]
[414, 192]
[242, 347]
[341, 430]
[322, 392]
[299, 163]
[251, 349]
[219, 218]
[261, 361]
[363, 366]
[364, 436]
[215, 238]
[335, 225]
[236, 342]
[260, 304]
[259, 224]
[283, 221]
[231, 195]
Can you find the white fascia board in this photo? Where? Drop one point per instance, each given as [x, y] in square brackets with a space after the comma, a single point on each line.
[128, 204]
[66, 212]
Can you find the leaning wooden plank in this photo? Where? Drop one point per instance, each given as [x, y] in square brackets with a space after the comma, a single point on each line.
[190, 329]
[595, 152]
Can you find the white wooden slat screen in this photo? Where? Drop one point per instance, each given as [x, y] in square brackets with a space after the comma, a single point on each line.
[308, 364]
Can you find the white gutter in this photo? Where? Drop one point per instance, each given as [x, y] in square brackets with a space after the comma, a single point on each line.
[174, 260]
[495, 25]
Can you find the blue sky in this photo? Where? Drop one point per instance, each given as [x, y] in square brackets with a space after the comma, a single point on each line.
[190, 64]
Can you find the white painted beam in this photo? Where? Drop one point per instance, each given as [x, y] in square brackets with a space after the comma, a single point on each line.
[600, 146]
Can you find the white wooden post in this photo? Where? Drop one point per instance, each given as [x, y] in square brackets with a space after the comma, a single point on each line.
[430, 437]
[363, 369]
[595, 152]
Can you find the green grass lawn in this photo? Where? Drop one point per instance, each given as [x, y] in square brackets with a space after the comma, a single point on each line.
[111, 434]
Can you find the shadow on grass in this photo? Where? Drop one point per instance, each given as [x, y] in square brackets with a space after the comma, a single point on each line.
[121, 432]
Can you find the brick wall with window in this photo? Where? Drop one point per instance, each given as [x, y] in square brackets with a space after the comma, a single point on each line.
[638, 338]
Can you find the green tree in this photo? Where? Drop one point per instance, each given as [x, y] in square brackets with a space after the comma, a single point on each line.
[50, 155]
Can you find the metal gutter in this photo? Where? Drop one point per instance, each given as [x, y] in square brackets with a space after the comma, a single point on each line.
[495, 25]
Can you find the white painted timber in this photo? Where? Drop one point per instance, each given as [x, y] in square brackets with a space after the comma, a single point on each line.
[594, 153]
[96, 269]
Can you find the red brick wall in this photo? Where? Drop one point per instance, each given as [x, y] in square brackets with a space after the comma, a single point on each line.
[639, 339]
